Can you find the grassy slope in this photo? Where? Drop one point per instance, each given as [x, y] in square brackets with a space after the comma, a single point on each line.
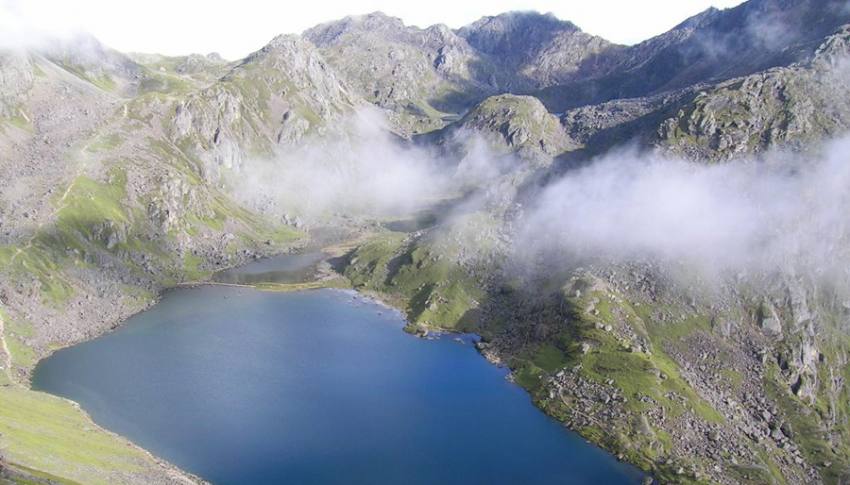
[53, 435]
[434, 292]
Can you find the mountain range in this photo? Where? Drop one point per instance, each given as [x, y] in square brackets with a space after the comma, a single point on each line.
[124, 174]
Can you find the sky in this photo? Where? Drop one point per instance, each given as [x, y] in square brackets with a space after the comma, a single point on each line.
[237, 27]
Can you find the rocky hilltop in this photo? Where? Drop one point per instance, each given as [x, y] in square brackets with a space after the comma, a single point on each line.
[121, 174]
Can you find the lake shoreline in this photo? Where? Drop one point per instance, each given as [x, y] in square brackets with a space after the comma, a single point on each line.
[23, 382]
[338, 246]
[385, 346]
[324, 277]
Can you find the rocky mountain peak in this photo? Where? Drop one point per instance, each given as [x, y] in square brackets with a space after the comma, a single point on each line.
[285, 42]
[538, 49]
[713, 46]
[375, 22]
[289, 59]
[511, 32]
[215, 57]
[699, 20]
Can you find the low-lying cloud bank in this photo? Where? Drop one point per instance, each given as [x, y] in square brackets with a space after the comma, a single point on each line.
[782, 212]
[779, 213]
[361, 169]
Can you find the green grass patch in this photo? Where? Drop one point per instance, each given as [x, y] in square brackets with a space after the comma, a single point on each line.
[733, 377]
[192, 267]
[103, 81]
[89, 212]
[529, 376]
[17, 119]
[435, 292]
[51, 435]
[22, 355]
[550, 358]
[636, 373]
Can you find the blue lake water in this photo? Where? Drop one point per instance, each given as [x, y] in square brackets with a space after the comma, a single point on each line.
[321, 387]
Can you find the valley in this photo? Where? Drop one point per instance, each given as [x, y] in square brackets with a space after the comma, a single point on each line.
[651, 239]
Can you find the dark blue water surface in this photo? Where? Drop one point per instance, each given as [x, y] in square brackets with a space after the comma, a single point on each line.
[243, 386]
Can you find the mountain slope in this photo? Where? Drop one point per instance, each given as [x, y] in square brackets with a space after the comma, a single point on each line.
[424, 76]
[421, 75]
[539, 50]
[788, 106]
[273, 98]
[712, 46]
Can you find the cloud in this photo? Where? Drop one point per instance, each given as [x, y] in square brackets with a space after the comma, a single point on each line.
[360, 169]
[778, 213]
[25, 25]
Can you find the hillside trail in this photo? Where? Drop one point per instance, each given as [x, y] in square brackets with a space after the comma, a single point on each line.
[60, 205]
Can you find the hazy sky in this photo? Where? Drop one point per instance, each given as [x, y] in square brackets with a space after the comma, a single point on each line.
[236, 27]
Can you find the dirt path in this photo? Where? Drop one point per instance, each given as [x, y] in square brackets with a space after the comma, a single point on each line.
[61, 205]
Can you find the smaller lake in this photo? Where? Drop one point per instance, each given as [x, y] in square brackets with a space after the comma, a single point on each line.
[321, 387]
[286, 268]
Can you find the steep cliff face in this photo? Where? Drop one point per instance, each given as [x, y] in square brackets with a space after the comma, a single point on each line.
[272, 99]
